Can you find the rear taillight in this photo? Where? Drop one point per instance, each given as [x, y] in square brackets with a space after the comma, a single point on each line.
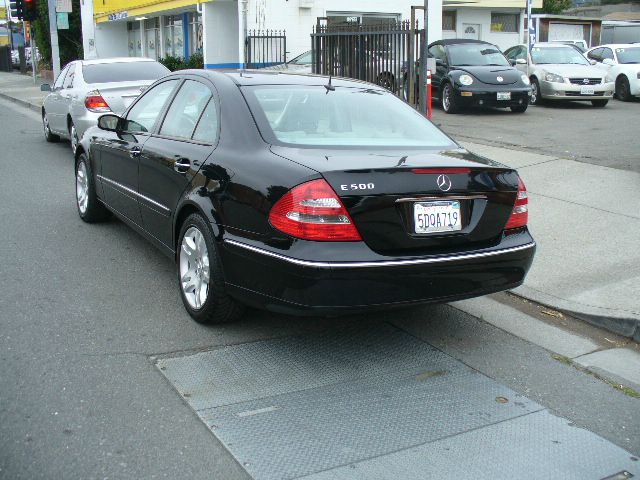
[95, 103]
[520, 212]
[313, 211]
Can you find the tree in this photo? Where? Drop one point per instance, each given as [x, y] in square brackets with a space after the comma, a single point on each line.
[70, 41]
[553, 6]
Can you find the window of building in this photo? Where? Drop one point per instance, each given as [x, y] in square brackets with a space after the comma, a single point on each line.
[173, 40]
[134, 41]
[195, 33]
[449, 20]
[505, 22]
[152, 36]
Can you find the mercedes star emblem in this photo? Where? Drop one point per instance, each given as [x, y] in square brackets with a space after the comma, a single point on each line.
[585, 81]
[500, 79]
[444, 183]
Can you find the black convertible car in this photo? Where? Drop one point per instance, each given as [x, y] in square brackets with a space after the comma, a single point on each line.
[475, 73]
[287, 192]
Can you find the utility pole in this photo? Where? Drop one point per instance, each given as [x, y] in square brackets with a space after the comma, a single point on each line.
[53, 28]
[423, 61]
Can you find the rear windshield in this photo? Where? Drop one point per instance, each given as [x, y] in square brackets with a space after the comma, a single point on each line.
[345, 117]
[123, 72]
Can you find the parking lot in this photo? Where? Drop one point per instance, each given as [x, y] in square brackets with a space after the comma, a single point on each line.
[576, 130]
[106, 376]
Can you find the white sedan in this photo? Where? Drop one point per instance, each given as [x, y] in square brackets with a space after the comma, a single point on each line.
[621, 62]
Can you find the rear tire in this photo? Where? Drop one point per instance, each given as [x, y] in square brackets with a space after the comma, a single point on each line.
[200, 277]
[449, 102]
[623, 90]
[599, 103]
[48, 136]
[519, 108]
[386, 80]
[90, 209]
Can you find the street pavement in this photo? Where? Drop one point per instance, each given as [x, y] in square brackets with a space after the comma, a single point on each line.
[86, 311]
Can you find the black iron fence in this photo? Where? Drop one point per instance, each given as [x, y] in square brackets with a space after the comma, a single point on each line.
[265, 48]
[384, 54]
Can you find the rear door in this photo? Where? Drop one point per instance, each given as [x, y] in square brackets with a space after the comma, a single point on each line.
[172, 157]
[120, 154]
[53, 104]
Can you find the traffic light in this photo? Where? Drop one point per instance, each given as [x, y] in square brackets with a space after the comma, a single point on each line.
[29, 10]
[17, 8]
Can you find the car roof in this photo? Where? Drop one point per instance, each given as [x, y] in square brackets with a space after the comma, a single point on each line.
[116, 60]
[277, 77]
[616, 45]
[455, 41]
[551, 45]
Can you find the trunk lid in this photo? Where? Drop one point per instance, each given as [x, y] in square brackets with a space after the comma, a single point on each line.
[381, 189]
[119, 95]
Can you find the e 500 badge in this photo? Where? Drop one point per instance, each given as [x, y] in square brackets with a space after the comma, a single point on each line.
[358, 186]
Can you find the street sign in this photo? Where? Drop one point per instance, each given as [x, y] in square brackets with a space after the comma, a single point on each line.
[64, 6]
[63, 21]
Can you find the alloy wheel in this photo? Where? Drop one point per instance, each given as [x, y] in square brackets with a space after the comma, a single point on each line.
[534, 93]
[74, 139]
[45, 126]
[82, 187]
[446, 99]
[194, 268]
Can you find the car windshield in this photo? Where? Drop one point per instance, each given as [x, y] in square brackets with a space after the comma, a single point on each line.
[123, 72]
[344, 117]
[476, 54]
[304, 59]
[562, 55]
[628, 55]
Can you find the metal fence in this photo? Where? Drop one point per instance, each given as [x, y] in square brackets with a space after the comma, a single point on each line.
[265, 48]
[384, 54]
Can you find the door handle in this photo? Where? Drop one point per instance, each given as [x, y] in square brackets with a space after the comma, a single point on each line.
[135, 152]
[182, 165]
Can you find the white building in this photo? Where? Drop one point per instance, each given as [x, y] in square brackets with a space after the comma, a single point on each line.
[157, 28]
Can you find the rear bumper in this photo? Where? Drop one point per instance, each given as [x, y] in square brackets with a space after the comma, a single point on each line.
[271, 279]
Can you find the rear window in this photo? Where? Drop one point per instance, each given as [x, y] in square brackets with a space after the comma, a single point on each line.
[346, 117]
[123, 72]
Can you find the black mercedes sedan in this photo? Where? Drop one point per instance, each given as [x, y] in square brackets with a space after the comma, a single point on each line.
[472, 73]
[290, 193]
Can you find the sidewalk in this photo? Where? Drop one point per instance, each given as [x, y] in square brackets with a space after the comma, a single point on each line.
[585, 219]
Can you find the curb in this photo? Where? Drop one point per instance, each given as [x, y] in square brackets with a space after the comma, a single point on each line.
[626, 324]
[20, 102]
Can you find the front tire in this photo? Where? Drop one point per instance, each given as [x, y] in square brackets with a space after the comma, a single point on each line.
[449, 102]
[200, 277]
[90, 209]
[599, 103]
[536, 97]
[386, 80]
[48, 136]
[519, 108]
[623, 90]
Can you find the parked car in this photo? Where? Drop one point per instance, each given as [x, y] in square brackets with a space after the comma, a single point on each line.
[300, 64]
[86, 89]
[475, 73]
[581, 45]
[560, 73]
[621, 64]
[287, 192]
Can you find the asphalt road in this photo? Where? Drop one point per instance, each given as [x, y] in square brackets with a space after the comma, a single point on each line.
[575, 130]
[85, 308]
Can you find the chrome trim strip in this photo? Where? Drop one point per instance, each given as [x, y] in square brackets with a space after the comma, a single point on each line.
[137, 194]
[384, 263]
[443, 197]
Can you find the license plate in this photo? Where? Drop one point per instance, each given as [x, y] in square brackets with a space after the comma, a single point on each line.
[587, 90]
[504, 95]
[434, 217]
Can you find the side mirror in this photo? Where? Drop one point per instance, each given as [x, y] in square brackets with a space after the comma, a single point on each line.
[592, 62]
[109, 122]
[512, 62]
[608, 61]
[440, 63]
[45, 87]
[521, 61]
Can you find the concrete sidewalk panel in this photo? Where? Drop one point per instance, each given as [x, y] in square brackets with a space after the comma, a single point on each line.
[511, 158]
[526, 327]
[621, 363]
